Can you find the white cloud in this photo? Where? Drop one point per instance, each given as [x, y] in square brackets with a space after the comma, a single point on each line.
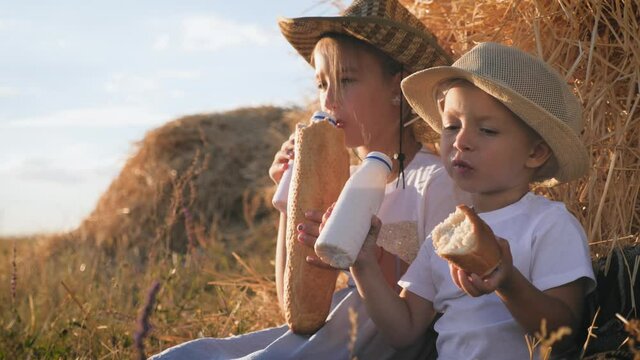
[179, 74]
[212, 33]
[101, 117]
[9, 24]
[162, 42]
[8, 91]
[123, 83]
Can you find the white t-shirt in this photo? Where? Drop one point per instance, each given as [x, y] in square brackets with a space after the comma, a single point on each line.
[549, 248]
[408, 215]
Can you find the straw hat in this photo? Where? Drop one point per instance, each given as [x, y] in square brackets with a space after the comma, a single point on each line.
[527, 85]
[385, 24]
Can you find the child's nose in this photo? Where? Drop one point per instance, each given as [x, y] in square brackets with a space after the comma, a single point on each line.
[463, 140]
[330, 102]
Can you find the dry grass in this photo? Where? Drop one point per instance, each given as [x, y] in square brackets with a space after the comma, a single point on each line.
[596, 45]
[190, 209]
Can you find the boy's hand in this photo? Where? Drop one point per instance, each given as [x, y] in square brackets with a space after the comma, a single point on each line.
[476, 286]
[281, 159]
[370, 251]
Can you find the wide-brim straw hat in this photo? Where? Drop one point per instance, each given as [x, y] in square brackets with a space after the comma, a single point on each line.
[526, 85]
[385, 24]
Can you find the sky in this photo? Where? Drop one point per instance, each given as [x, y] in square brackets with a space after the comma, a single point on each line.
[82, 81]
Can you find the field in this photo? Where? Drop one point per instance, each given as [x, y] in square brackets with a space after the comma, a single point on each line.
[81, 294]
[183, 239]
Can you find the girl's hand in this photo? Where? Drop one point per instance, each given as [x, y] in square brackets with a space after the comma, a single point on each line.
[309, 230]
[476, 286]
[281, 159]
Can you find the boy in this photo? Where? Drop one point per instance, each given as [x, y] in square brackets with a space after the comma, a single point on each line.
[506, 120]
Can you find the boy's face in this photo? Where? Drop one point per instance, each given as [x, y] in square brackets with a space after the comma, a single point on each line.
[484, 147]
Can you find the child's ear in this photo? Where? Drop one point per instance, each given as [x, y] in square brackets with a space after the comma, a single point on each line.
[539, 154]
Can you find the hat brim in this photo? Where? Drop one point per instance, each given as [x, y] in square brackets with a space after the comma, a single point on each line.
[572, 158]
[414, 49]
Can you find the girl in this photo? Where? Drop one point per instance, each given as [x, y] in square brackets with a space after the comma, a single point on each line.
[359, 60]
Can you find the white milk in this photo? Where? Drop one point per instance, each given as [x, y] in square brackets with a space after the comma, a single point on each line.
[281, 195]
[346, 229]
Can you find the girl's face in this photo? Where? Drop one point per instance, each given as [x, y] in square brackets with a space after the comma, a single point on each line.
[486, 149]
[362, 101]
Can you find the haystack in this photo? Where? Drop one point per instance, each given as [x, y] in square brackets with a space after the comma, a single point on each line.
[190, 178]
[596, 45]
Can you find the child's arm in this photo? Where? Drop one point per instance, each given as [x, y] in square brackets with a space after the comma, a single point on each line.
[277, 168]
[281, 258]
[560, 306]
[401, 319]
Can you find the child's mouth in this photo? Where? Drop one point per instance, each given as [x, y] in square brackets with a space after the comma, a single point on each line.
[461, 166]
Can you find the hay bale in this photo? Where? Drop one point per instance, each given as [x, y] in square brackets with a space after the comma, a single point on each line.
[596, 45]
[190, 177]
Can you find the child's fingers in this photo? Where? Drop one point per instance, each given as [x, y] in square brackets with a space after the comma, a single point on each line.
[467, 283]
[310, 228]
[315, 261]
[314, 216]
[307, 240]
[374, 230]
[325, 216]
[453, 270]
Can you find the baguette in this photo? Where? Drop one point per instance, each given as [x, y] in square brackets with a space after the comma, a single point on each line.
[320, 171]
[466, 241]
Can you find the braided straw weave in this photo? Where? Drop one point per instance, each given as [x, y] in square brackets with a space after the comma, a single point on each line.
[385, 24]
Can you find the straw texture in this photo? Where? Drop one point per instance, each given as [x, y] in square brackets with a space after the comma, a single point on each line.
[595, 45]
[385, 24]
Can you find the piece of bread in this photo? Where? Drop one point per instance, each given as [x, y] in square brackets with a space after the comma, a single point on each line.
[468, 242]
[320, 171]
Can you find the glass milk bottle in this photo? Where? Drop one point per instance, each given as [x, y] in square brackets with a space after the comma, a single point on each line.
[282, 192]
[346, 229]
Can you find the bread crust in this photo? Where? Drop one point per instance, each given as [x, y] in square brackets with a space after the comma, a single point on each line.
[320, 172]
[484, 255]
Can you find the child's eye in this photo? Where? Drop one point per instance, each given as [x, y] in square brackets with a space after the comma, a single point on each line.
[488, 131]
[321, 85]
[347, 80]
[451, 127]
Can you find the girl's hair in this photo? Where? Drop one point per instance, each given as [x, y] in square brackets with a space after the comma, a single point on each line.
[543, 172]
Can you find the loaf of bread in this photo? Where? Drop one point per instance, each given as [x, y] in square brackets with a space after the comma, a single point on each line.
[467, 242]
[320, 171]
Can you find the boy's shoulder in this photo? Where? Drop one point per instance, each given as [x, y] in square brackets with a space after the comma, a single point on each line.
[539, 202]
[542, 209]
[537, 208]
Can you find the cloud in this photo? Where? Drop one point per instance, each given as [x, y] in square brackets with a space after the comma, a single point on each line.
[162, 42]
[44, 170]
[119, 83]
[8, 91]
[212, 33]
[100, 117]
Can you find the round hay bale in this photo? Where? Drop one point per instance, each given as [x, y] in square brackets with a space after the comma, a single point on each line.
[190, 177]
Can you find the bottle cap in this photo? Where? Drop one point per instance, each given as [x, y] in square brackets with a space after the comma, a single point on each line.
[321, 115]
[381, 157]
